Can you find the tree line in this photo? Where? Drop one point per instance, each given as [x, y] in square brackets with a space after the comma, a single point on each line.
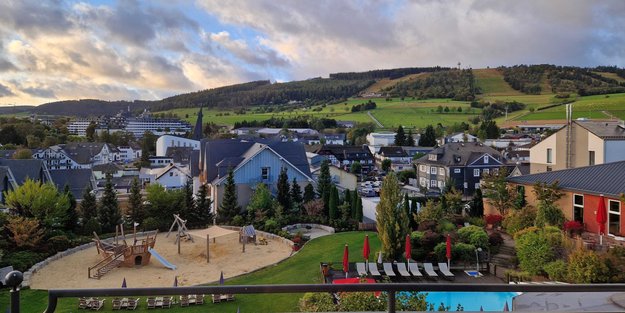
[389, 73]
[454, 83]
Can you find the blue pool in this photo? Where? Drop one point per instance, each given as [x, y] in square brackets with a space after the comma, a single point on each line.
[471, 301]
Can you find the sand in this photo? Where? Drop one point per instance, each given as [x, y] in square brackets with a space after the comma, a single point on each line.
[225, 255]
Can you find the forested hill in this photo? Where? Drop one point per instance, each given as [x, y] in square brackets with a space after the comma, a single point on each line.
[418, 82]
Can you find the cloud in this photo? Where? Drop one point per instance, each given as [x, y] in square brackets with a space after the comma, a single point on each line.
[39, 92]
[34, 18]
[5, 91]
[260, 55]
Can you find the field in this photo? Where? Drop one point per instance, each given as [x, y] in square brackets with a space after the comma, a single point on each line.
[491, 82]
[302, 268]
[600, 107]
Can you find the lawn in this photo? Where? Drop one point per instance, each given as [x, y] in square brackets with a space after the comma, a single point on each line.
[302, 268]
[491, 82]
[588, 107]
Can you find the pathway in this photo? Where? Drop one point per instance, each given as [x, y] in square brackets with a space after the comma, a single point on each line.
[375, 119]
[503, 260]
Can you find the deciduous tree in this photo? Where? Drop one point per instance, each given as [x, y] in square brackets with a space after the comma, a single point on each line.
[25, 232]
[497, 192]
[392, 222]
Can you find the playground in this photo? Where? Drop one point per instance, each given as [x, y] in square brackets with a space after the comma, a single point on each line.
[191, 266]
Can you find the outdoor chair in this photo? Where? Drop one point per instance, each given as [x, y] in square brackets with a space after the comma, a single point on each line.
[388, 269]
[414, 269]
[96, 304]
[199, 299]
[373, 269]
[229, 297]
[429, 270]
[166, 302]
[361, 268]
[442, 267]
[216, 298]
[184, 300]
[402, 270]
[151, 301]
[132, 304]
[117, 304]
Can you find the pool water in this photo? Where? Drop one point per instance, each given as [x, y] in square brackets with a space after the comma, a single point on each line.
[471, 301]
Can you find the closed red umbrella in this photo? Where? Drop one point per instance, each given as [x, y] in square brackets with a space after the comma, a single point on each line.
[366, 250]
[346, 260]
[448, 250]
[601, 218]
[506, 308]
[408, 248]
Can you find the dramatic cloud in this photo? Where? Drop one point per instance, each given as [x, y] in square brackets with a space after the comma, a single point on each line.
[138, 49]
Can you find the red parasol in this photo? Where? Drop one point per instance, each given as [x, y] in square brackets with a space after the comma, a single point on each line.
[448, 250]
[505, 307]
[408, 248]
[346, 260]
[366, 250]
[601, 215]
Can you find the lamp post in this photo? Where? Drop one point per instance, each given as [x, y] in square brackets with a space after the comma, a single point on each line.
[477, 259]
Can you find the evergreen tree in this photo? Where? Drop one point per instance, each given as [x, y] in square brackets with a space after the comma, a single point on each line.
[413, 209]
[354, 204]
[400, 137]
[284, 197]
[296, 195]
[189, 203]
[324, 184]
[359, 213]
[109, 214]
[392, 222]
[71, 218]
[309, 193]
[520, 201]
[477, 204]
[229, 207]
[202, 215]
[334, 203]
[355, 168]
[428, 138]
[88, 205]
[348, 198]
[410, 139]
[407, 205]
[135, 202]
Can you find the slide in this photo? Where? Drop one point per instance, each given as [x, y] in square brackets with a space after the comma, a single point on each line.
[161, 259]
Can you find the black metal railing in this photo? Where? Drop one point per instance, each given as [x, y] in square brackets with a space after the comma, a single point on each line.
[390, 288]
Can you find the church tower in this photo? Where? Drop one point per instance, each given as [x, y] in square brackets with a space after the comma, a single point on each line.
[197, 130]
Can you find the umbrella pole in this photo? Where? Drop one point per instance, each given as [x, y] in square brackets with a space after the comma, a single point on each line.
[449, 263]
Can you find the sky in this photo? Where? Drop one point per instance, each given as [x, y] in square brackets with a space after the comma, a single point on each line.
[132, 49]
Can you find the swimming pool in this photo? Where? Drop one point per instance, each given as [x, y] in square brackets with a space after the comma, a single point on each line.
[471, 301]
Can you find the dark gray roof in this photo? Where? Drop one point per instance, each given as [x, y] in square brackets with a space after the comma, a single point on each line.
[334, 136]
[224, 152]
[604, 179]
[604, 130]
[392, 151]
[22, 169]
[108, 168]
[197, 130]
[82, 152]
[76, 179]
[194, 163]
[459, 154]
[180, 155]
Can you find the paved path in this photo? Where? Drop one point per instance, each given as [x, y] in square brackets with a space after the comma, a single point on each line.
[375, 119]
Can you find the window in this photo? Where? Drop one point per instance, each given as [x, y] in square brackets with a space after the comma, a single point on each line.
[591, 158]
[614, 217]
[578, 208]
[432, 157]
[549, 155]
[264, 172]
[423, 182]
[422, 168]
[441, 171]
[456, 171]
[466, 185]
[433, 183]
[486, 171]
[477, 185]
[486, 159]
[433, 170]
[476, 172]
[171, 174]
[441, 184]
[549, 168]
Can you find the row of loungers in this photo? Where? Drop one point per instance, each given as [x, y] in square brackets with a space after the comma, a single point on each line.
[403, 271]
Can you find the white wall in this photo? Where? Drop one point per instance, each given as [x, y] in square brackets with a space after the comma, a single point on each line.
[368, 207]
[614, 150]
[166, 141]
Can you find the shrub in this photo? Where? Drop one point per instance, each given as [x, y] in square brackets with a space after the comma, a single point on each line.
[573, 227]
[495, 239]
[427, 225]
[59, 243]
[317, 302]
[22, 260]
[150, 223]
[518, 220]
[534, 251]
[93, 225]
[513, 275]
[238, 220]
[430, 239]
[493, 219]
[477, 221]
[473, 235]
[271, 226]
[548, 214]
[459, 252]
[556, 270]
[586, 267]
[446, 227]
[416, 237]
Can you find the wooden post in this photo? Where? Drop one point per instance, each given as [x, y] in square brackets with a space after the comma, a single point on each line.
[244, 240]
[116, 230]
[179, 241]
[207, 248]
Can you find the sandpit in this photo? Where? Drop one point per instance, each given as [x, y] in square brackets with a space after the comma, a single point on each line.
[192, 269]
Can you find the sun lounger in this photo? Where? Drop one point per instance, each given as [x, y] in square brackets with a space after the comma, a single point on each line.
[414, 269]
[184, 300]
[96, 304]
[442, 267]
[361, 268]
[388, 269]
[429, 269]
[132, 304]
[117, 304]
[166, 302]
[402, 270]
[199, 299]
[83, 303]
[151, 302]
[216, 298]
[373, 269]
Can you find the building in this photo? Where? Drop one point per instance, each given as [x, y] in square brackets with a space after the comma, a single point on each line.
[171, 176]
[400, 160]
[169, 141]
[77, 155]
[580, 143]
[14, 173]
[582, 188]
[344, 156]
[462, 163]
[459, 137]
[79, 126]
[334, 139]
[341, 178]
[251, 162]
[161, 126]
[381, 139]
[76, 179]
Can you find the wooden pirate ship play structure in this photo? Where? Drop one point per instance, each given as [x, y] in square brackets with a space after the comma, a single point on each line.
[120, 253]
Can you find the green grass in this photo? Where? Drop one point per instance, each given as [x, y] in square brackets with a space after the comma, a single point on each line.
[491, 82]
[588, 107]
[302, 268]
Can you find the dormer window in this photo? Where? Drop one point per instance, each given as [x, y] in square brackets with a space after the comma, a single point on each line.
[485, 159]
[432, 157]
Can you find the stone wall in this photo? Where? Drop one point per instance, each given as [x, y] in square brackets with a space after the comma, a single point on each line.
[267, 235]
[318, 226]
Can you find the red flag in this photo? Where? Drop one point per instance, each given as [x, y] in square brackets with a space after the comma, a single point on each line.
[408, 248]
[346, 260]
[448, 247]
[366, 250]
[601, 215]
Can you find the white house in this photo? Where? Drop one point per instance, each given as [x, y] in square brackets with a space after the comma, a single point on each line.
[381, 139]
[171, 176]
[168, 141]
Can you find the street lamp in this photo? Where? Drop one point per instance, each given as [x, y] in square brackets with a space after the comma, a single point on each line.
[477, 259]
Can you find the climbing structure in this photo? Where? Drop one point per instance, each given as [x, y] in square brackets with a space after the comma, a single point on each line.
[117, 253]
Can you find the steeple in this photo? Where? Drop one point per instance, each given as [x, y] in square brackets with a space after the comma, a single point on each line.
[197, 130]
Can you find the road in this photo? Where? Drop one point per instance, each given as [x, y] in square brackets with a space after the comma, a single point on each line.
[375, 120]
